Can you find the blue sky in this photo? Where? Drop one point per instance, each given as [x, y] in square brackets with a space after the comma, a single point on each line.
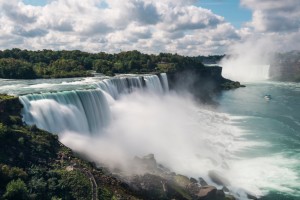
[229, 9]
[35, 2]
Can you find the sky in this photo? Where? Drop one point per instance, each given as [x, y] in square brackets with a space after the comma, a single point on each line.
[187, 27]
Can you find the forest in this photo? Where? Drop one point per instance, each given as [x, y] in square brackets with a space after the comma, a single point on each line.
[26, 64]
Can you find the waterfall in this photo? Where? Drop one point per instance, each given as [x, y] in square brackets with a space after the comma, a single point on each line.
[79, 111]
[246, 73]
[153, 84]
[125, 85]
[117, 86]
[245, 68]
[127, 116]
[84, 111]
[164, 81]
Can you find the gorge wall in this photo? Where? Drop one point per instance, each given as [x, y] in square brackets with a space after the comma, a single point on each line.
[202, 82]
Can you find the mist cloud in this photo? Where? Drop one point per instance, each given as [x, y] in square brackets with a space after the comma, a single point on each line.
[184, 137]
[274, 27]
[274, 15]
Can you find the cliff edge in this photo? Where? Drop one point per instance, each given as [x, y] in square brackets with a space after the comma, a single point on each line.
[203, 82]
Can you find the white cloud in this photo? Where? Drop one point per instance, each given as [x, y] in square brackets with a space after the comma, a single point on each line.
[275, 15]
[274, 20]
[275, 26]
[110, 25]
[147, 25]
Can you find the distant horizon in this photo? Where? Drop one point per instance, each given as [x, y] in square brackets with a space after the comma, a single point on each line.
[224, 54]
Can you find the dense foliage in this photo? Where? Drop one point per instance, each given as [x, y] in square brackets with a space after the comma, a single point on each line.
[17, 69]
[211, 59]
[17, 63]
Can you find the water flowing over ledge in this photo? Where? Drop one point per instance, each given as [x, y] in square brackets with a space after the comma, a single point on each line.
[85, 111]
[132, 116]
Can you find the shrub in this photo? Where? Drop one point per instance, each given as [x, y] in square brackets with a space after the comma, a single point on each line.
[16, 189]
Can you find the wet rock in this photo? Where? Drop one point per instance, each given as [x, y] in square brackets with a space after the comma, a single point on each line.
[225, 189]
[150, 161]
[220, 194]
[146, 163]
[229, 197]
[193, 180]
[206, 192]
[182, 181]
[202, 182]
[210, 193]
[218, 179]
[231, 85]
[251, 196]
[150, 186]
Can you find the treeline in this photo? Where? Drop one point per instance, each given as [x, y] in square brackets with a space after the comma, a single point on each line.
[211, 59]
[17, 63]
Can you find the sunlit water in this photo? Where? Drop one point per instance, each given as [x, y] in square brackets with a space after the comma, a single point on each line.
[274, 122]
[252, 141]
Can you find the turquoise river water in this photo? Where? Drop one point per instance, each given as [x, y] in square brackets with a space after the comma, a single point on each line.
[252, 138]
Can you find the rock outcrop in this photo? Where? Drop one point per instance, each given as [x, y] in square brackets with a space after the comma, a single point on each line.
[202, 82]
[158, 182]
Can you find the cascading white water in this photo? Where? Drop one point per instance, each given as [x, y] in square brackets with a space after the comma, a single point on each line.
[245, 68]
[85, 111]
[117, 86]
[184, 136]
[153, 84]
[111, 127]
[125, 85]
[79, 111]
[245, 73]
[164, 81]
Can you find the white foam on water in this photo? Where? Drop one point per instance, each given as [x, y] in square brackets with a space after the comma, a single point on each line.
[184, 136]
[261, 174]
[42, 85]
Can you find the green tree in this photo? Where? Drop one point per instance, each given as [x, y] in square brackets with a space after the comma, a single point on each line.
[14, 68]
[16, 189]
[76, 184]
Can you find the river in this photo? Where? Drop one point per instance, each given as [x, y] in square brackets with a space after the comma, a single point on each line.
[251, 139]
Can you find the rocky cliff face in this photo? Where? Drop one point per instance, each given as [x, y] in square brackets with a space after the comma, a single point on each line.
[203, 82]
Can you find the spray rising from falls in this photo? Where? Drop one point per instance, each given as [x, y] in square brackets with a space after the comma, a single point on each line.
[134, 116]
[249, 61]
[85, 111]
[239, 69]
